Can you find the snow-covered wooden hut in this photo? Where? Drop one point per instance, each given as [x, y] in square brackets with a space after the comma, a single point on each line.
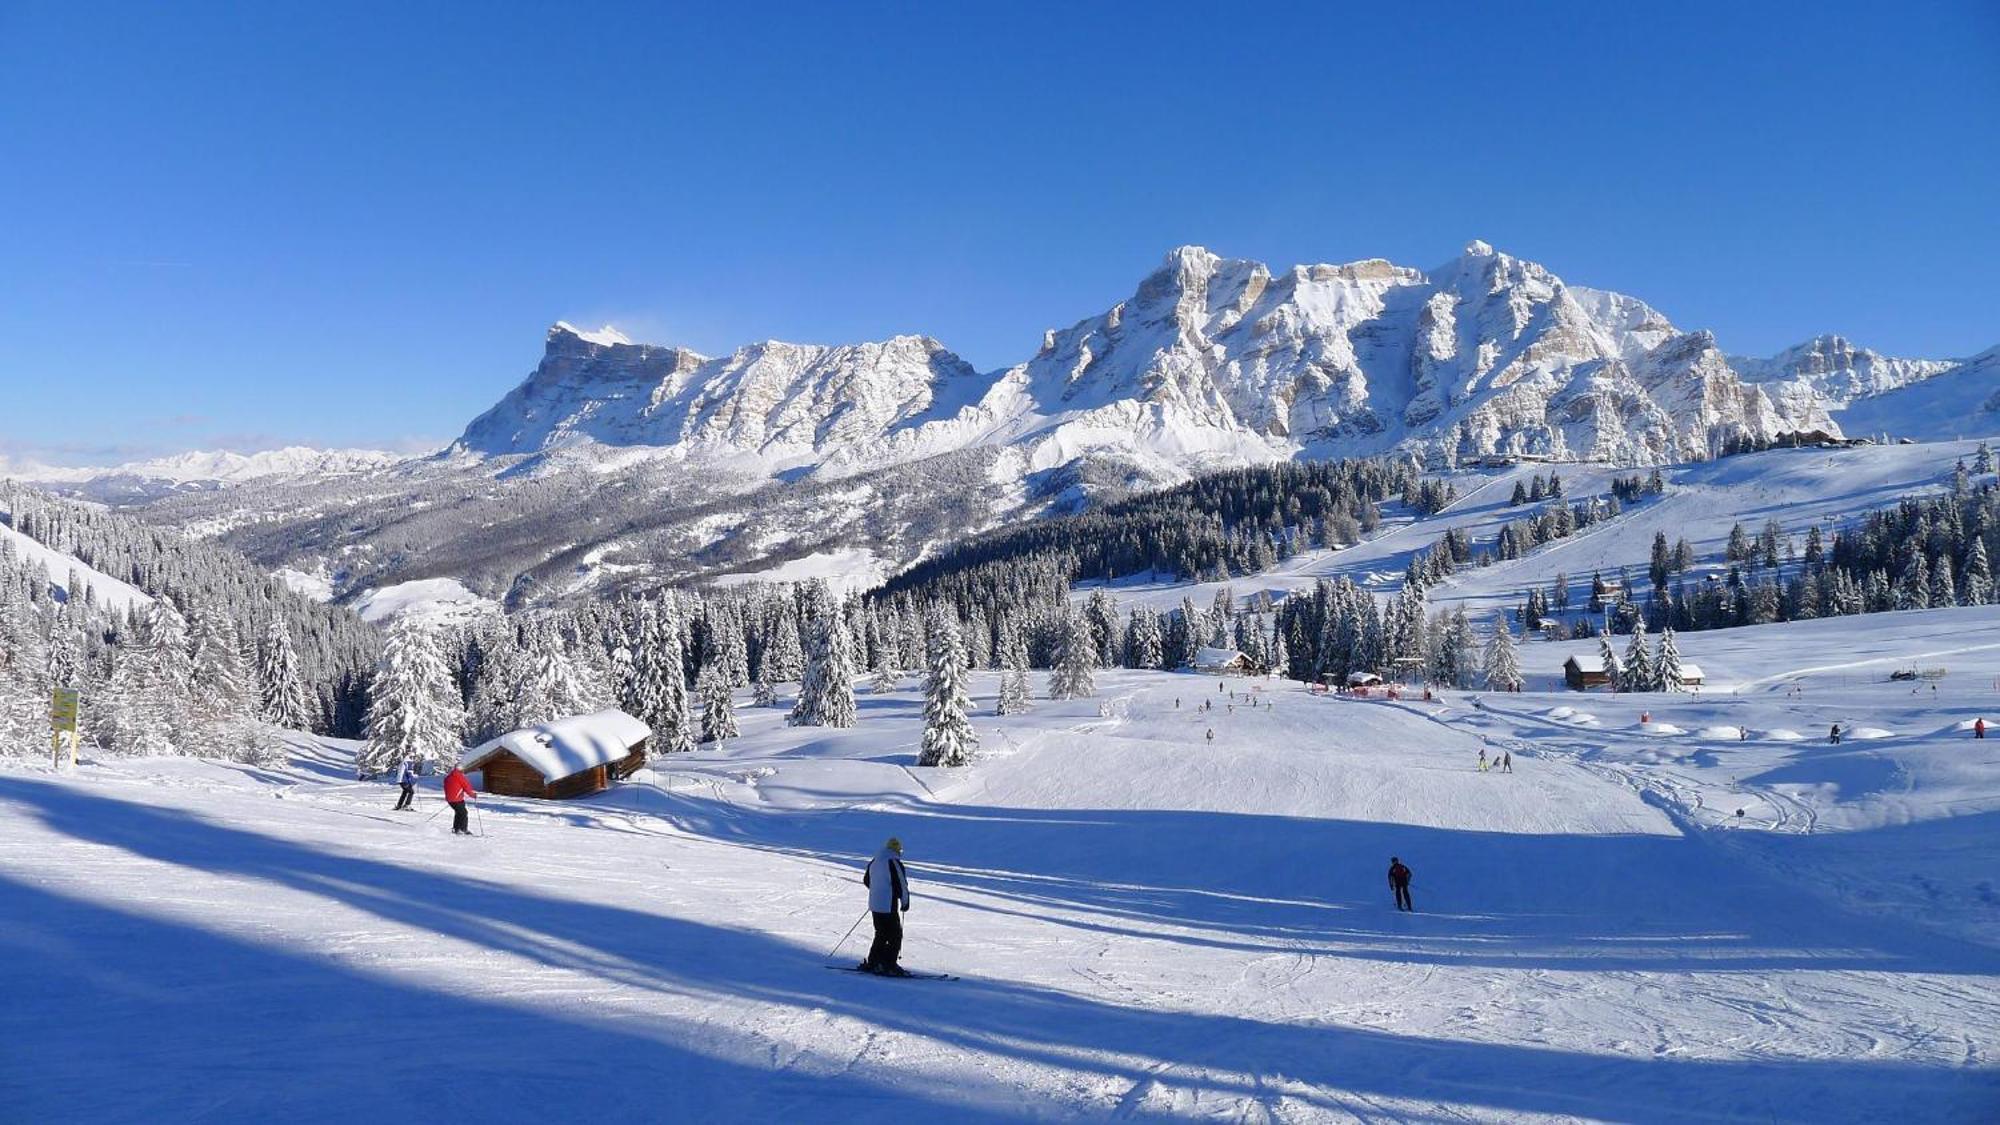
[1363, 679]
[1690, 674]
[570, 757]
[1586, 670]
[1222, 661]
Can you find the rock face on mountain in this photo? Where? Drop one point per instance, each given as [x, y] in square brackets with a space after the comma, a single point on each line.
[1216, 361]
[1833, 372]
[1961, 401]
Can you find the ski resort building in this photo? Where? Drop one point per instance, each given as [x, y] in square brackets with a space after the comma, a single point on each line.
[1223, 661]
[571, 757]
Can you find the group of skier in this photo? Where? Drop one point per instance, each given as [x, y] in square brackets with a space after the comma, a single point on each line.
[457, 791]
[1503, 761]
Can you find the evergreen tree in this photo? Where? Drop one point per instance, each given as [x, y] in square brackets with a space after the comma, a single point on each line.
[826, 691]
[1638, 673]
[554, 688]
[1014, 688]
[718, 707]
[948, 738]
[1614, 673]
[413, 709]
[282, 693]
[1503, 665]
[1668, 663]
[1076, 659]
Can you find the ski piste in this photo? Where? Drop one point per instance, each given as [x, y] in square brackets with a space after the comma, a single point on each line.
[906, 975]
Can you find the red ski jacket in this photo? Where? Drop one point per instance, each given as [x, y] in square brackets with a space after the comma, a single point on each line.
[456, 787]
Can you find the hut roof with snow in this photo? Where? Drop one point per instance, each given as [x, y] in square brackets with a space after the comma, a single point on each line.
[1220, 660]
[1690, 672]
[567, 757]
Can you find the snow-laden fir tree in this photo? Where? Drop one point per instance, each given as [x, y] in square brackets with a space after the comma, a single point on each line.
[764, 693]
[223, 723]
[948, 738]
[284, 699]
[1145, 647]
[625, 680]
[1075, 660]
[1614, 676]
[718, 707]
[414, 711]
[1637, 673]
[1503, 664]
[826, 690]
[149, 705]
[555, 687]
[885, 680]
[1978, 575]
[1667, 663]
[661, 667]
[1014, 689]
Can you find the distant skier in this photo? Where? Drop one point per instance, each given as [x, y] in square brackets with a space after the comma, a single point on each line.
[1211, 736]
[1482, 759]
[1506, 762]
[1979, 728]
[888, 888]
[457, 791]
[1399, 880]
[407, 778]
[1833, 736]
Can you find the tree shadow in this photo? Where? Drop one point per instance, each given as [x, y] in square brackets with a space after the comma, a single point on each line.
[188, 1043]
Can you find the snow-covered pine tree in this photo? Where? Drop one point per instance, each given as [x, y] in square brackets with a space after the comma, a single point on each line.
[948, 738]
[1978, 575]
[1503, 664]
[414, 711]
[1614, 674]
[625, 680]
[1076, 658]
[283, 697]
[661, 664]
[1637, 672]
[1667, 663]
[1146, 646]
[223, 722]
[554, 687]
[1014, 688]
[718, 707]
[885, 679]
[764, 693]
[826, 690]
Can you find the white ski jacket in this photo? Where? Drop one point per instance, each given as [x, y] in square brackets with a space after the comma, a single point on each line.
[887, 883]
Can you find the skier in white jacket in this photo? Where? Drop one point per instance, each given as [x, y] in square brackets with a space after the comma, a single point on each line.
[888, 899]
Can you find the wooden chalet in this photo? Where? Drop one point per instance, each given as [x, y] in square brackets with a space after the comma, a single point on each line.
[1224, 662]
[1586, 670]
[571, 757]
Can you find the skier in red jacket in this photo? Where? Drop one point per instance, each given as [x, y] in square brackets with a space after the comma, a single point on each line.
[457, 791]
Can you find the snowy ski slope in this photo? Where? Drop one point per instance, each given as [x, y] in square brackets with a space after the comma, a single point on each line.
[1147, 926]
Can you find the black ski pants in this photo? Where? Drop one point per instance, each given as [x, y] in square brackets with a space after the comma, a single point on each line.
[1402, 896]
[888, 944]
[408, 798]
[458, 817]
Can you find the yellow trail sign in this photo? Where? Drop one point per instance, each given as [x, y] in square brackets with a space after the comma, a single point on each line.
[63, 709]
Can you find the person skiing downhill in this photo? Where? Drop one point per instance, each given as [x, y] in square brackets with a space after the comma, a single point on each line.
[1399, 880]
[1506, 761]
[457, 791]
[1833, 735]
[1979, 728]
[888, 886]
[407, 778]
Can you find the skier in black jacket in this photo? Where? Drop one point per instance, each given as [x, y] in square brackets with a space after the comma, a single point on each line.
[1399, 879]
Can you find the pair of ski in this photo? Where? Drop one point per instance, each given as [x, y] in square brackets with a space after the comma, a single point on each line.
[892, 976]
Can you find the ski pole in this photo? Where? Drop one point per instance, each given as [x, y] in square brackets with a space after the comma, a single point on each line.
[481, 814]
[435, 815]
[845, 936]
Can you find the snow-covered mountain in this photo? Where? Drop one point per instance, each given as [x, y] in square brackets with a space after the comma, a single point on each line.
[1217, 361]
[200, 469]
[1962, 401]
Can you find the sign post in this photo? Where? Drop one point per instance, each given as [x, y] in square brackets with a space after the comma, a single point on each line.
[63, 708]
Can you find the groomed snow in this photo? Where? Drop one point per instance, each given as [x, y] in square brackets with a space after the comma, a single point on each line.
[1146, 925]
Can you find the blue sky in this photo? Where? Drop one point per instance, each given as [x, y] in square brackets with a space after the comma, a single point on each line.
[351, 223]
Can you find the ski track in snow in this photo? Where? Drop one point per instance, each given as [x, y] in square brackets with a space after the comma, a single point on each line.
[1145, 926]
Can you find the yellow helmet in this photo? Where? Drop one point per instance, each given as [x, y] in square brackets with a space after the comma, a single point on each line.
[895, 845]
